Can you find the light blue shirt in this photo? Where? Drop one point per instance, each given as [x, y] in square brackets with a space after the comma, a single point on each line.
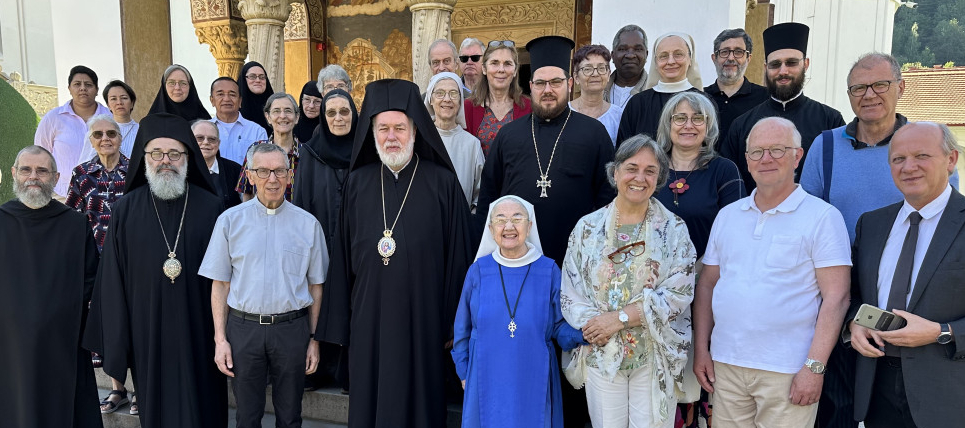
[268, 256]
[237, 136]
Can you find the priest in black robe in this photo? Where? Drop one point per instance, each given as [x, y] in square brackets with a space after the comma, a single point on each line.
[554, 158]
[146, 314]
[785, 47]
[49, 260]
[396, 278]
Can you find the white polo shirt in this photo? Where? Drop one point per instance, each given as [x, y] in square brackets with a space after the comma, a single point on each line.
[767, 299]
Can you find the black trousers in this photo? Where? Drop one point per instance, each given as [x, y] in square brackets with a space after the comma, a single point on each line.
[268, 352]
[836, 407]
[889, 404]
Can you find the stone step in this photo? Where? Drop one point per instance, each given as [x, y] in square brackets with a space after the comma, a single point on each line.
[324, 405]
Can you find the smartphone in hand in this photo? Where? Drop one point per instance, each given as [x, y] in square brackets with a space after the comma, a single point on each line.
[879, 319]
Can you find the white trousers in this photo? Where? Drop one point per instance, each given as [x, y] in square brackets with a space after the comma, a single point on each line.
[623, 402]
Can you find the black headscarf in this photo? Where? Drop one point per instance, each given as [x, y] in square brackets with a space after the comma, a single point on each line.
[335, 151]
[190, 109]
[305, 126]
[253, 105]
[397, 95]
[165, 125]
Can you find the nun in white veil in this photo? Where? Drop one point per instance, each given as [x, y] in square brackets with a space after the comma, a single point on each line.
[508, 316]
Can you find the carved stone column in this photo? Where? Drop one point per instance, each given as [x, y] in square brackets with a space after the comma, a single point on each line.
[228, 42]
[266, 36]
[430, 21]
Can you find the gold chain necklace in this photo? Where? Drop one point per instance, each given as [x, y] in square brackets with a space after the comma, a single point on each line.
[171, 266]
[543, 182]
[387, 245]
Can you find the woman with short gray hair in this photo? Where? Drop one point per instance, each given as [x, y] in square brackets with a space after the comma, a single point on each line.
[281, 112]
[628, 281]
[333, 76]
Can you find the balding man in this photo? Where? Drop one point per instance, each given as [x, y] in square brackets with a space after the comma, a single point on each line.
[49, 262]
[442, 56]
[224, 172]
[908, 260]
[772, 296]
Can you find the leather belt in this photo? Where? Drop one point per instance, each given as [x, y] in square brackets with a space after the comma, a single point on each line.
[266, 319]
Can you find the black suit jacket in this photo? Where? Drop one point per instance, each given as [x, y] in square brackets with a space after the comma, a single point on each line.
[226, 180]
[934, 374]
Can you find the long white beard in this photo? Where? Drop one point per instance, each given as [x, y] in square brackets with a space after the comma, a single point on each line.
[397, 160]
[33, 198]
[167, 186]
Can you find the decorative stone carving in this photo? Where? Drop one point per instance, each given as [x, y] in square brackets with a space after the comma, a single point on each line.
[367, 8]
[519, 21]
[430, 21]
[41, 98]
[266, 36]
[316, 19]
[297, 26]
[364, 64]
[228, 43]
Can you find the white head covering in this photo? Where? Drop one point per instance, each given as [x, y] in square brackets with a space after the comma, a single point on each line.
[488, 244]
[693, 72]
[461, 116]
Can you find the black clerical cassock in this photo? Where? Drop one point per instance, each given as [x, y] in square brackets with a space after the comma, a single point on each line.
[139, 319]
[397, 316]
[49, 261]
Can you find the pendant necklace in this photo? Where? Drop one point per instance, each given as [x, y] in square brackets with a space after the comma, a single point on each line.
[171, 266]
[387, 243]
[512, 312]
[543, 181]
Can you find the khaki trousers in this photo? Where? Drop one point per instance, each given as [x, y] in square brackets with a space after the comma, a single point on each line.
[746, 397]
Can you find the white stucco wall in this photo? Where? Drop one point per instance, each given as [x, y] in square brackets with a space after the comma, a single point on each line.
[186, 50]
[86, 33]
[26, 43]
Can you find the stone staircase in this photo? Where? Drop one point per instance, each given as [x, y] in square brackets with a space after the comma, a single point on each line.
[322, 408]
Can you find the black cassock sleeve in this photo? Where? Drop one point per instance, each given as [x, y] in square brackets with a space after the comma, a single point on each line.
[335, 314]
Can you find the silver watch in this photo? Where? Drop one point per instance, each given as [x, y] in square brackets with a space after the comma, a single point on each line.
[815, 366]
[624, 318]
[946, 335]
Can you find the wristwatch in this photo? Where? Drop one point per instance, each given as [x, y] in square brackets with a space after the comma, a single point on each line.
[946, 335]
[624, 318]
[814, 366]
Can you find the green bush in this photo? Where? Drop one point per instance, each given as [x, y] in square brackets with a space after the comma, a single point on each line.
[18, 123]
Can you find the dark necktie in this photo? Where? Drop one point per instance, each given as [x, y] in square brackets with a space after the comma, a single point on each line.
[901, 282]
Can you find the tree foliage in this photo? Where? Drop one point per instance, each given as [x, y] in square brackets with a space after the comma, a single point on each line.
[931, 33]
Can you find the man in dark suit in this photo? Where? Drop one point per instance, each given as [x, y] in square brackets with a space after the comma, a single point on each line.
[224, 172]
[913, 376]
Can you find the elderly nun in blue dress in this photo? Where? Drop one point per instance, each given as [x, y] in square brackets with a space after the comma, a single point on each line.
[508, 315]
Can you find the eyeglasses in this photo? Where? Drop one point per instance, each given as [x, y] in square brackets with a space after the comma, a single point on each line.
[444, 61]
[790, 63]
[25, 171]
[630, 250]
[332, 86]
[602, 69]
[265, 172]
[737, 53]
[281, 111]
[677, 56]
[97, 135]
[878, 87]
[256, 77]
[776, 153]
[340, 112]
[680, 119]
[540, 85]
[311, 101]
[158, 155]
[441, 95]
[515, 220]
[467, 58]
[203, 139]
[498, 43]
[178, 83]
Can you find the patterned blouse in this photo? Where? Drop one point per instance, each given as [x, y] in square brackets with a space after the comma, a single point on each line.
[659, 282]
[245, 187]
[489, 127]
[93, 190]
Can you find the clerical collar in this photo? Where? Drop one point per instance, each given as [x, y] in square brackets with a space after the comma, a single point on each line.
[268, 211]
[531, 256]
[851, 132]
[672, 88]
[559, 118]
[214, 168]
[396, 174]
[785, 103]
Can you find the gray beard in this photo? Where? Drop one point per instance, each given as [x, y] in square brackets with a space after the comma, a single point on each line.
[167, 186]
[33, 198]
[731, 78]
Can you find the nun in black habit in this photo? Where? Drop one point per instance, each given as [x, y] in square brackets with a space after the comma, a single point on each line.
[396, 311]
[140, 318]
[306, 126]
[189, 108]
[253, 104]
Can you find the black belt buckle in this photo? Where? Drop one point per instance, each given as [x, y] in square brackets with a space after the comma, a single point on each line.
[262, 318]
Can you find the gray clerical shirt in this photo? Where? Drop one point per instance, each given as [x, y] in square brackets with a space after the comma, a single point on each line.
[269, 258]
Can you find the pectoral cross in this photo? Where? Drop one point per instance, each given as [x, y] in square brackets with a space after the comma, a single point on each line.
[512, 328]
[543, 183]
